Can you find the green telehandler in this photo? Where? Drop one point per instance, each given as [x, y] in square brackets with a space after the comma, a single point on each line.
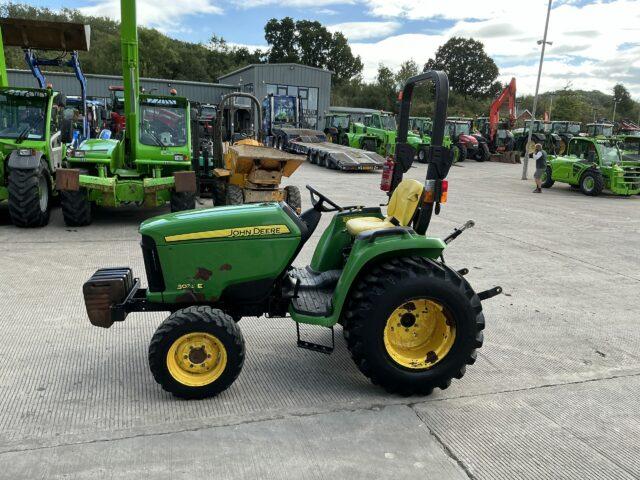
[412, 323]
[592, 165]
[32, 140]
[149, 166]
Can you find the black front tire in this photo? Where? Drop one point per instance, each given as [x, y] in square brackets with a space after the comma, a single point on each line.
[591, 183]
[197, 320]
[482, 155]
[422, 155]
[76, 208]
[463, 153]
[394, 284]
[234, 195]
[293, 198]
[547, 179]
[181, 201]
[29, 196]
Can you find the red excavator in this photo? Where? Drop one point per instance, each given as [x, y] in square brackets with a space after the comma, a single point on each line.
[498, 133]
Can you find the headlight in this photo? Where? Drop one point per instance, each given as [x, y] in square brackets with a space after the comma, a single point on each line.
[25, 152]
[178, 157]
[78, 153]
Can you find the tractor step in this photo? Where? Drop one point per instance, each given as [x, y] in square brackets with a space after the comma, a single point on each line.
[316, 347]
[312, 279]
[315, 302]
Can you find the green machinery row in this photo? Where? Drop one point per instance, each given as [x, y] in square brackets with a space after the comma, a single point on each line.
[149, 166]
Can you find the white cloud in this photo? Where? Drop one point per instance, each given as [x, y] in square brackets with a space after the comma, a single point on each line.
[364, 30]
[587, 35]
[162, 14]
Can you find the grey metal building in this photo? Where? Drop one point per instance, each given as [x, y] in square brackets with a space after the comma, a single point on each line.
[313, 85]
[98, 85]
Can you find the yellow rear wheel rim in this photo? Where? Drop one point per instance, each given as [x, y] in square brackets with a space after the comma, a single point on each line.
[196, 359]
[419, 334]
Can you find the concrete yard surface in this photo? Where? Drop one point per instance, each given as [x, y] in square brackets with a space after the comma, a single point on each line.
[555, 392]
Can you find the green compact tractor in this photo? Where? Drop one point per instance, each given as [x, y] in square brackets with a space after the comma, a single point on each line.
[411, 322]
[591, 165]
[149, 166]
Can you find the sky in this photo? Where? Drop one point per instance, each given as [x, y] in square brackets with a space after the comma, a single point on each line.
[596, 43]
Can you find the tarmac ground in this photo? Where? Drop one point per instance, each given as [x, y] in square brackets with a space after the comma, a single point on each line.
[555, 392]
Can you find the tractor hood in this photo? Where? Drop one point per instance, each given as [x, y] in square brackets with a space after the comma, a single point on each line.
[469, 139]
[238, 222]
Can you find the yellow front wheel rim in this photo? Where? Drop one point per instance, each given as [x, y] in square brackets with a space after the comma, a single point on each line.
[419, 334]
[196, 359]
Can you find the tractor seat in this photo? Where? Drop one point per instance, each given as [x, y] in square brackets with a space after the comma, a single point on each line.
[401, 210]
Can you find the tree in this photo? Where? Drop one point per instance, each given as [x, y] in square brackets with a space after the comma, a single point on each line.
[625, 103]
[470, 70]
[407, 70]
[309, 43]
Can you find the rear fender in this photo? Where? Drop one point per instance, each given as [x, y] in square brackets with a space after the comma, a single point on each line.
[24, 162]
[367, 253]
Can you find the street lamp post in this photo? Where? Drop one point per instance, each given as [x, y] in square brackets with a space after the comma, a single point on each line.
[544, 43]
[615, 104]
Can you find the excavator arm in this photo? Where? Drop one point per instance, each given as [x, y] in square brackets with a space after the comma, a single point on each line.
[508, 94]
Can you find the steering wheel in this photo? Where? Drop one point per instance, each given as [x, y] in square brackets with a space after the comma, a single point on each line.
[318, 200]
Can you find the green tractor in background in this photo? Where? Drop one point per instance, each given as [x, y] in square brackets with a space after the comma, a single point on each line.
[421, 127]
[411, 322]
[599, 130]
[629, 146]
[539, 132]
[341, 128]
[150, 166]
[592, 165]
[376, 133]
[32, 138]
[561, 133]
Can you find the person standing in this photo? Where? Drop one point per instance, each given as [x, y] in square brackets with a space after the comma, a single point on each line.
[541, 166]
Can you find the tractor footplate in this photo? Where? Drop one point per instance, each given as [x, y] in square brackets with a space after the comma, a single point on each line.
[316, 347]
[492, 292]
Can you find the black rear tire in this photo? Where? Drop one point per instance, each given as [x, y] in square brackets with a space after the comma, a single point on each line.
[396, 284]
[76, 208]
[29, 196]
[591, 183]
[176, 329]
[181, 201]
[547, 179]
[369, 145]
[293, 198]
[234, 195]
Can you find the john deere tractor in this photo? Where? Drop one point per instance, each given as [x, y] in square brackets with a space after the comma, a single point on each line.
[600, 130]
[592, 165]
[562, 131]
[539, 131]
[412, 323]
[149, 166]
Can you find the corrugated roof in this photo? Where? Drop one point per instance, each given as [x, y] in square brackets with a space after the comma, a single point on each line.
[261, 65]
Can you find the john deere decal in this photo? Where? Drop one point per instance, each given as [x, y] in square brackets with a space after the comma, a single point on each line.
[254, 231]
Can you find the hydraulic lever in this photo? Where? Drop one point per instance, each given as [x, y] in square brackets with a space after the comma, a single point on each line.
[456, 232]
